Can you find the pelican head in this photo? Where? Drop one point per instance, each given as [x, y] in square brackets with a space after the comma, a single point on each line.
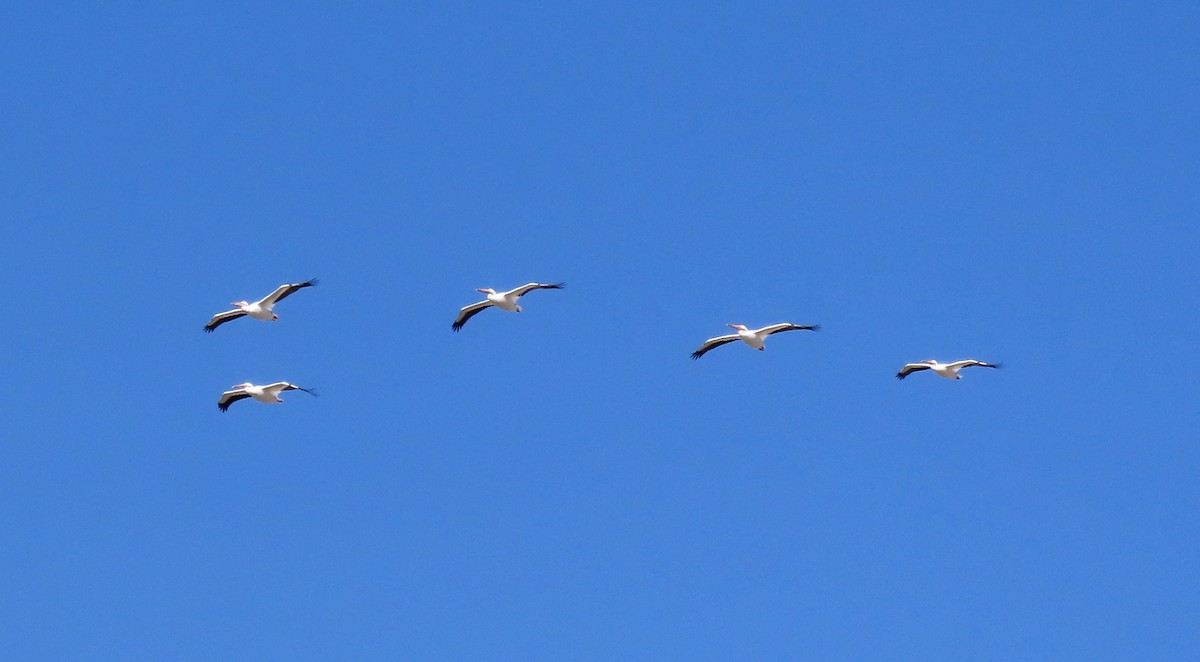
[485, 290]
[737, 327]
[239, 304]
[243, 385]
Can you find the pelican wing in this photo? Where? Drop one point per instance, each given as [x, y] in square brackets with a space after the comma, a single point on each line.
[278, 387]
[467, 312]
[910, 368]
[971, 362]
[787, 326]
[284, 291]
[528, 287]
[221, 318]
[230, 397]
[713, 342]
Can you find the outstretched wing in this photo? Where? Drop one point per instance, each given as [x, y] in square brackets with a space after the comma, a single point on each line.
[910, 368]
[788, 326]
[230, 397]
[221, 318]
[713, 342]
[528, 287]
[467, 312]
[284, 291]
[279, 387]
[972, 362]
[293, 387]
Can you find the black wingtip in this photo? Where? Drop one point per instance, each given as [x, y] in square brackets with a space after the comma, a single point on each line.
[456, 327]
[222, 407]
[209, 329]
[814, 327]
[310, 282]
[696, 355]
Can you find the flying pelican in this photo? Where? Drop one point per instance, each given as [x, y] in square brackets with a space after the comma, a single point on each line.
[268, 394]
[502, 300]
[752, 337]
[259, 310]
[947, 370]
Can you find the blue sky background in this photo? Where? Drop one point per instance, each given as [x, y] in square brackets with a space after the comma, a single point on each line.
[1014, 183]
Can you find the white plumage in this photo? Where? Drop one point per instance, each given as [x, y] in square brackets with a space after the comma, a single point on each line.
[753, 337]
[947, 370]
[502, 300]
[268, 393]
[263, 309]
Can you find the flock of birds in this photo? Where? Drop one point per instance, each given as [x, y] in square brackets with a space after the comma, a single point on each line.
[264, 310]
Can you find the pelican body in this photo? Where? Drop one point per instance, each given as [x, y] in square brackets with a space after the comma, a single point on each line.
[263, 309]
[946, 370]
[755, 338]
[502, 300]
[268, 393]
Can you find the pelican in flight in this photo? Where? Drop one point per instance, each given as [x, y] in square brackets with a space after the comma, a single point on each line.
[268, 394]
[947, 370]
[752, 337]
[502, 300]
[259, 310]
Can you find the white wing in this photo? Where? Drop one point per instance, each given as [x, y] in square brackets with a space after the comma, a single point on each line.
[467, 312]
[971, 362]
[221, 318]
[910, 368]
[529, 287]
[786, 326]
[284, 291]
[714, 342]
[278, 387]
[230, 397]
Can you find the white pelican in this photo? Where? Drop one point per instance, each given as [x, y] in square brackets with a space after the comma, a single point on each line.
[268, 394]
[502, 300]
[259, 310]
[947, 370]
[752, 337]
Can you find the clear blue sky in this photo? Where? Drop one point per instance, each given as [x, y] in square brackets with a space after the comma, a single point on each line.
[1012, 182]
